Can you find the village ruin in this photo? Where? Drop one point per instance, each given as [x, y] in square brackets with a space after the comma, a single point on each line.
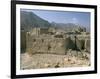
[64, 49]
[55, 41]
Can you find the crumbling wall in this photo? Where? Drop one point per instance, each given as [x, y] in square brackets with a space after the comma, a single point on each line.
[46, 45]
[23, 41]
[70, 43]
[83, 42]
[87, 45]
[55, 45]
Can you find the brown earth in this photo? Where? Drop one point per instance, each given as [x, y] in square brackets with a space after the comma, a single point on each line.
[37, 61]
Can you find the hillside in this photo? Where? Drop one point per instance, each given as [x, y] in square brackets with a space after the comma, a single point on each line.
[30, 20]
[69, 27]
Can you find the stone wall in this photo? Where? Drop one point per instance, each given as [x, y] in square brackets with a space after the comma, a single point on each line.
[46, 45]
[23, 41]
[53, 45]
[87, 45]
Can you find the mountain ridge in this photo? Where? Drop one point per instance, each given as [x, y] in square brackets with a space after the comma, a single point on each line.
[30, 20]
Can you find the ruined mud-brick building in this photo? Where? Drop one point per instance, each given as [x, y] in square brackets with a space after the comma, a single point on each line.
[52, 41]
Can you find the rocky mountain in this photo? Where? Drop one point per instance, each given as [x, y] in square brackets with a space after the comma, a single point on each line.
[30, 20]
[68, 26]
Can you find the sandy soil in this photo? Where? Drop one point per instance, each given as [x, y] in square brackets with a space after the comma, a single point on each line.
[37, 61]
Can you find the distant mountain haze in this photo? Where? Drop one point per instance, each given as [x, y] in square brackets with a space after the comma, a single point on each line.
[69, 26]
[30, 20]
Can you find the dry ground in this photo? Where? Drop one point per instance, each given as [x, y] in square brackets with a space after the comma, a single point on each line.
[37, 61]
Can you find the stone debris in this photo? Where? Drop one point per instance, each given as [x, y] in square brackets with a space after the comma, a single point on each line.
[48, 48]
[52, 61]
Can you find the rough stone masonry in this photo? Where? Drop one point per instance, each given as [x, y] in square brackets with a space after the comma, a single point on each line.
[52, 43]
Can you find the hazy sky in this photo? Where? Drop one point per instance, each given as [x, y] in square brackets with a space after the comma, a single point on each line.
[82, 18]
